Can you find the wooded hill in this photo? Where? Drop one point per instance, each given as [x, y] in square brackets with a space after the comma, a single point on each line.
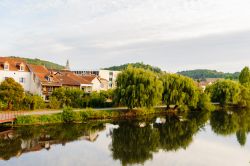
[205, 73]
[49, 65]
[136, 65]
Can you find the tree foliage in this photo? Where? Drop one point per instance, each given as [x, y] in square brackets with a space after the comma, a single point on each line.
[135, 65]
[225, 92]
[11, 92]
[179, 90]
[204, 73]
[137, 87]
[244, 77]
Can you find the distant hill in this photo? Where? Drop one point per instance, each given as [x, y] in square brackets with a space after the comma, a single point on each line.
[49, 65]
[205, 73]
[137, 65]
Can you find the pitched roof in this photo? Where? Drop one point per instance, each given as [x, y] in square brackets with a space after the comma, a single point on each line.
[43, 73]
[70, 78]
[89, 78]
[14, 63]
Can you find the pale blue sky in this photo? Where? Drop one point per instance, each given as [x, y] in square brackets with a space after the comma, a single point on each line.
[172, 34]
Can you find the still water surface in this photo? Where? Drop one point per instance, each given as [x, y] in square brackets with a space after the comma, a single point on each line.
[196, 139]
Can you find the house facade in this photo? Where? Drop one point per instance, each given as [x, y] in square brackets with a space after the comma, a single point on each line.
[16, 69]
[108, 75]
[37, 79]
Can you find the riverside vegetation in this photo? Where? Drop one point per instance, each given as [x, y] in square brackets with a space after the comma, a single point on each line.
[138, 89]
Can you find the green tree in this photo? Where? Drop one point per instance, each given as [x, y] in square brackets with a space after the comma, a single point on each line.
[225, 92]
[137, 87]
[11, 92]
[244, 77]
[179, 90]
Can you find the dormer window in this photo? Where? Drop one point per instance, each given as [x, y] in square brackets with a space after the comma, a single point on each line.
[21, 68]
[49, 78]
[6, 66]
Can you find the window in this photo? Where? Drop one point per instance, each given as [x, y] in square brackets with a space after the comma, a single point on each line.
[6, 66]
[111, 79]
[22, 80]
[21, 68]
[50, 89]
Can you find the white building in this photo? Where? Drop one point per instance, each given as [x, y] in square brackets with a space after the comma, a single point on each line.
[16, 69]
[108, 75]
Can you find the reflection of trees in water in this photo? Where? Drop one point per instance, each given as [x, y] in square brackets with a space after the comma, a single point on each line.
[132, 144]
[34, 138]
[231, 122]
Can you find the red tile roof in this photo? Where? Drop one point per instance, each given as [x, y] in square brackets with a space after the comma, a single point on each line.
[14, 63]
[43, 73]
[70, 78]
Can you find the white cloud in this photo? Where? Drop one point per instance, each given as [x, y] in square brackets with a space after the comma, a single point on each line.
[103, 27]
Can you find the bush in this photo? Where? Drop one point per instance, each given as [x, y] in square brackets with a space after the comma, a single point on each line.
[3, 106]
[205, 102]
[68, 115]
[31, 102]
[54, 103]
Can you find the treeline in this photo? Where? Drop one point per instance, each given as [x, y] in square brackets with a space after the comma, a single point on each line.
[143, 88]
[135, 65]
[137, 88]
[202, 74]
[13, 97]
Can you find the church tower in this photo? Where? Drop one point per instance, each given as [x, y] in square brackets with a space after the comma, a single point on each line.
[67, 65]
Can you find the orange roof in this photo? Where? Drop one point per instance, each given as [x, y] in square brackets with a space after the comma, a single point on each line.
[89, 78]
[14, 63]
[70, 78]
[43, 73]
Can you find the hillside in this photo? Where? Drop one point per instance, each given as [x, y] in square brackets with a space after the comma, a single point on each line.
[137, 65]
[49, 65]
[205, 73]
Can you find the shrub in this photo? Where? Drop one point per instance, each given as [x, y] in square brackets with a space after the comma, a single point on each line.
[68, 115]
[31, 102]
[54, 103]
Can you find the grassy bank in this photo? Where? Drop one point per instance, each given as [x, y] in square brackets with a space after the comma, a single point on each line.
[82, 116]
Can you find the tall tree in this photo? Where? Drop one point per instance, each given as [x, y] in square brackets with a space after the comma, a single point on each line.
[137, 87]
[179, 90]
[225, 92]
[11, 92]
[244, 77]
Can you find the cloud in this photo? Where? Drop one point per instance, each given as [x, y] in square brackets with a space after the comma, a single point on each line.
[128, 30]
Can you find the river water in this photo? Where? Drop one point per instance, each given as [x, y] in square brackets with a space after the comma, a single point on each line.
[196, 138]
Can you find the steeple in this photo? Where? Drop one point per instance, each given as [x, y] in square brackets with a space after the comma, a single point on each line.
[67, 65]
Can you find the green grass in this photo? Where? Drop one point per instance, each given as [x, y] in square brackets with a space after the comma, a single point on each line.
[84, 115]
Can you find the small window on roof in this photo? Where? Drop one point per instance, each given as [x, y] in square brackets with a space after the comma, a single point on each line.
[21, 68]
[6, 66]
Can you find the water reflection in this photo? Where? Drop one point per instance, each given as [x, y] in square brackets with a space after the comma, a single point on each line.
[133, 144]
[15, 142]
[133, 141]
[231, 122]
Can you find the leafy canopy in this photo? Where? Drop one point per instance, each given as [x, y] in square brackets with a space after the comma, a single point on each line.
[11, 92]
[137, 87]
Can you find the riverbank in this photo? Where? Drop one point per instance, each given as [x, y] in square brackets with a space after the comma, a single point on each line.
[83, 115]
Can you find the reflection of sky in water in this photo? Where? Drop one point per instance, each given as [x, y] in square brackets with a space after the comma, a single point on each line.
[207, 148]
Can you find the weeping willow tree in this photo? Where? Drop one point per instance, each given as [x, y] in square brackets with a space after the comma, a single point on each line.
[137, 87]
[225, 92]
[179, 90]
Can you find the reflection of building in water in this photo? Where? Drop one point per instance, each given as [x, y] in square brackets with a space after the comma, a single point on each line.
[43, 141]
[92, 136]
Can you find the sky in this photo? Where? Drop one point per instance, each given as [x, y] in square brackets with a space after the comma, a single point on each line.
[174, 35]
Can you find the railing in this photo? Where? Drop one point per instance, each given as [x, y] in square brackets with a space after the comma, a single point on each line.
[9, 116]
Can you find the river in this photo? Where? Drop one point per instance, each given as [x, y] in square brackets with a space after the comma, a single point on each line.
[194, 138]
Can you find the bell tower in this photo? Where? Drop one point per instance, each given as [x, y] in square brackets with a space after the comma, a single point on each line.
[67, 65]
